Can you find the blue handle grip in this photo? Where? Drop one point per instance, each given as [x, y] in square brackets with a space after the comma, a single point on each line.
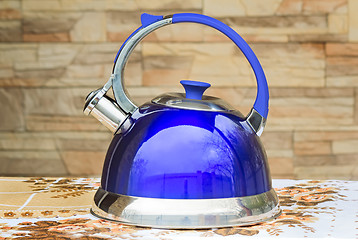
[262, 97]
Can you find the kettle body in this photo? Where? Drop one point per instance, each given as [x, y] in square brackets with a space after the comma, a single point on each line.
[183, 160]
[186, 154]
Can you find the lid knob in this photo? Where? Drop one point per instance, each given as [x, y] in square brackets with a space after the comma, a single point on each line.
[194, 89]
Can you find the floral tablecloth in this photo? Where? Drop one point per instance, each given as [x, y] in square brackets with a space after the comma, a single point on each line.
[58, 208]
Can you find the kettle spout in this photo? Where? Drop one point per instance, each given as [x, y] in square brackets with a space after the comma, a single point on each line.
[105, 110]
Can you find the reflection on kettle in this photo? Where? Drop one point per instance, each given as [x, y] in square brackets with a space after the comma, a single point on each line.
[183, 160]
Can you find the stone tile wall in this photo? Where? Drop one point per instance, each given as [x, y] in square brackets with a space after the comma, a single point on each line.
[54, 52]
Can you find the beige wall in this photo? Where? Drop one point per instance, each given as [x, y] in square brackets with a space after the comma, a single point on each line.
[52, 53]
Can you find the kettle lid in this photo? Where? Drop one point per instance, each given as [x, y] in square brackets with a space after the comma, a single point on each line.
[193, 98]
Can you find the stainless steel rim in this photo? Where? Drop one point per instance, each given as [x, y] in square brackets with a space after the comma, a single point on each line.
[186, 213]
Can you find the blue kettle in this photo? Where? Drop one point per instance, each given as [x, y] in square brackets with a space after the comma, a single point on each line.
[183, 160]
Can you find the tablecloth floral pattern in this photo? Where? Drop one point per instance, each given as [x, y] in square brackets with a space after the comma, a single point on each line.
[58, 208]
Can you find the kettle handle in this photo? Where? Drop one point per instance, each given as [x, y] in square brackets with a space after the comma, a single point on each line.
[257, 116]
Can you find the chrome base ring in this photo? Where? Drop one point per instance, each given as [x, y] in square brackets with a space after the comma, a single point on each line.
[186, 213]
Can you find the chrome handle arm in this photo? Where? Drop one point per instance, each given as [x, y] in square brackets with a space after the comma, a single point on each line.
[119, 91]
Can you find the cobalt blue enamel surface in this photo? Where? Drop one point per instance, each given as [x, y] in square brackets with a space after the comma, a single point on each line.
[186, 154]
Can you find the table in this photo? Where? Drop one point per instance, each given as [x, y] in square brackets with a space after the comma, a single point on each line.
[58, 208]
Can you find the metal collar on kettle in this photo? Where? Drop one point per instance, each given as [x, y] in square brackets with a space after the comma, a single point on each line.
[183, 160]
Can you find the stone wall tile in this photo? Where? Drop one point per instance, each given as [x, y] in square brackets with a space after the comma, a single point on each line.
[43, 123]
[258, 38]
[27, 144]
[84, 163]
[281, 167]
[325, 135]
[223, 8]
[49, 22]
[187, 49]
[312, 53]
[91, 27]
[342, 49]
[279, 153]
[325, 172]
[290, 7]
[52, 101]
[31, 163]
[50, 61]
[123, 5]
[10, 9]
[356, 107]
[43, 65]
[303, 113]
[121, 24]
[342, 81]
[47, 37]
[6, 73]
[307, 161]
[164, 77]
[38, 5]
[29, 154]
[102, 53]
[83, 144]
[283, 64]
[167, 62]
[10, 4]
[337, 23]
[278, 25]
[318, 38]
[17, 82]
[32, 167]
[39, 74]
[353, 20]
[17, 53]
[341, 66]
[312, 102]
[256, 8]
[12, 110]
[133, 74]
[10, 14]
[240, 8]
[311, 92]
[345, 146]
[312, 148]
[168, 4]
[57, 135]
[185, 32]
[303, 124]
[61, 54]
[59, 82]
[354, 173]
[88, 71]
[324, 6]
[10, 31]
[324, 160]
[222, 70]
[312, 7]
[77, 5]
[277, 140]
[285, 77]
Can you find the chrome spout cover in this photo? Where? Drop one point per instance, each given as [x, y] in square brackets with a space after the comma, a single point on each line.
[105, 110]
